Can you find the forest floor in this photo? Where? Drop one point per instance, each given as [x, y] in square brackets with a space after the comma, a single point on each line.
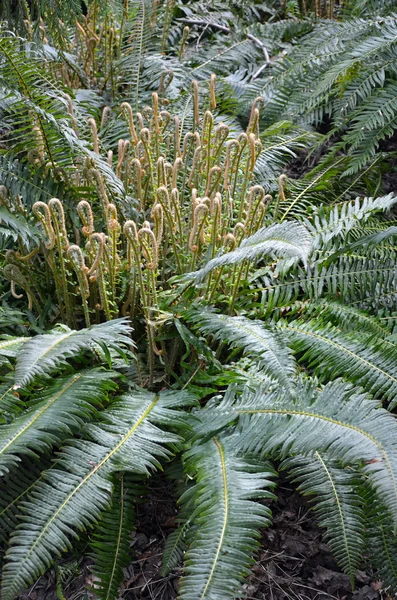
[293, 563]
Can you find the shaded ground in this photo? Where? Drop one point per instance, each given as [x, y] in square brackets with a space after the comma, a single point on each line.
[293, 562]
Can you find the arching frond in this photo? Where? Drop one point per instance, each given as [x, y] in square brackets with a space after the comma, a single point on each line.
[12, 491]
[15, 226]
[111, 542]
[72, 495]
[343, 70]
[43, 353]
[227, 520]
[332, 354]
[346, 318]
[337, 221]
[51, 414]
[289, 239]
[337, 419]
[261, 343]
[10, 345]
[381, 541]
[336, 503]
[368, 282]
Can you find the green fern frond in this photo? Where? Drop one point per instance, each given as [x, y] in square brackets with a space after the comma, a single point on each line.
[139, 39]
[282, 142]
[337, 221]
[44, 353]
[346, 318]
[72, 495]
[337, 419]
[10, 404]
[344, 71]
[13, 491]
[177, 542]
[10, 346]
[336, 504]
[289, 239]
[381, 541]
[228, 520]
[32, 187]
[51, 414]
[15, 227]
[111, 542]
[332, 354]
[367, 282]
[260, 343]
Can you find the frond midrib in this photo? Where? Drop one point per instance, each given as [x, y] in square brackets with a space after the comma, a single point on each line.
[225, 515]
[41, 411]
[340, 512]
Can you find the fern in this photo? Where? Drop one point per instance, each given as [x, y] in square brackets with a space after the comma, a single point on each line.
[13, 491]
[287, 239]
[44, 353]
[344, 70]
[262, 344]
[111, 542]
[52, 414]
[126, 437]
[228, 522]
[339, 220]
[331, 354]
[153, 135]
[381, 539]
[338, 420]
[336, 504]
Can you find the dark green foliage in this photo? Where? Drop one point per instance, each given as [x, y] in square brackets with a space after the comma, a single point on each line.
[227, 520]
[336, 503]
[111, 542]
[344, 71]
[154, 254]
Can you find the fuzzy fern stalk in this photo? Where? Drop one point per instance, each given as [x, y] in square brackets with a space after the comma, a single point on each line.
[194, 194]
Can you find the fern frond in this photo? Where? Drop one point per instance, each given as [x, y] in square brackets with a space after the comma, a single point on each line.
[13, 491]
[281, 142]
[111, 542]
[177, 542]
[10, 346]
[44, 353]
[344, 71]
[228, 520]
[52, 414]
[289, 239]
[332, 354]
[32, 187]
[337, 221]
[368, 282]
[10, 403]
[381, 541]
[337, 419]
[15, 227]
[336, 504]
[259, 342]
[71, 496]
[346, 318]
[139, 38]
[374, 121]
